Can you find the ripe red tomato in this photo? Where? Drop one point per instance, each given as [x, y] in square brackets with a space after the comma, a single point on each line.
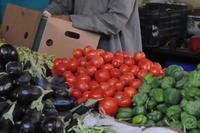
[139, 55]
[72, 65]
[82, 86]
[54, 71]
[155, 71]
[136, 83]
[86, 49]
[91, 70]
[93, 85]
[119, 85]
[133, 61]
[77, 53]
[155, 64]
[81, 100]
[118, 53]
[104, 86]
[127, 78]
[141, 74]
[117, 61]
[71, 80]
[145, 64]
[107, 56]
[118, 95]
[92, 53]
[130, 91]
[126, 54]
[86, 94]
[81, 70]
[100, 51]
[102, 75]
[124, 68]
[97, 94]
[107, 66]
[96, 61]
[65, 61]
[67, 74]
[57, 62]
[110, 92]
[115, 73]
[128, 61]
[109, 106]
[82, 62]
[84, 77]
[134, 69]
[76, 93]
[61, 68]
[125, 101]
[112, 81]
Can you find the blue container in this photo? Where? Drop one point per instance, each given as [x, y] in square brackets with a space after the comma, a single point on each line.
[186, 66]
[33, 4]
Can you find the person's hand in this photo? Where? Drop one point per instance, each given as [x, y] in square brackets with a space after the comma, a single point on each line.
[63, 17]
[47, 14]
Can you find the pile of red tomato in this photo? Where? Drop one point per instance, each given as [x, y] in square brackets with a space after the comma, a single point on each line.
[97, 74]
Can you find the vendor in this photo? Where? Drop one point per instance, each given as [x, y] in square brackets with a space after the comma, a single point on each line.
[116, 20]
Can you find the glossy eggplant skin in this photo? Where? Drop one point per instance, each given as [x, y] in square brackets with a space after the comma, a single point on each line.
[19, 112]
[6, 85]
[33, 116]
[13, 68]
[8, 53]
[64, 104]
[27, 127]
[3, 107]
[2, 67]
[61, 93]
[5, 126]
[49, 109]
[82, 110]
[42, 82]
[25, 78]
[27, 94]
[52, 125]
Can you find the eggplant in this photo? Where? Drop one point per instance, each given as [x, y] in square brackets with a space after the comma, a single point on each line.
[18, 112]
[2, 67]
[42, 82]
[52, 125]
[5, 126]
[3, 98]
[8, 53]
[82, 110]
[67, 115]
[25, 78]
[60, 93]
[27, 65]
[3, 108]
[33, 116]
[64, 104]
[27, 94]
[13, 68]
[6, 85]
[49, 109]
[27, 127]
[58, 79]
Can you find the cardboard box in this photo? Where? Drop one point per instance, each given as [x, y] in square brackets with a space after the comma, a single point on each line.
[20, 25]
[60, 38]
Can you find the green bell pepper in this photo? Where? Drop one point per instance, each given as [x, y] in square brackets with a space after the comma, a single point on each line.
[188, 121]
[172, 96]
[162, 108]
[139, 119]
[174, 112]
[139, 99]
[155, 116]
[124, 113]
[158, 95]
[139, 110]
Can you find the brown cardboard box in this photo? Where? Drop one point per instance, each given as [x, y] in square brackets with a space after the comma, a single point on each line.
[20, 25]
[60, 38]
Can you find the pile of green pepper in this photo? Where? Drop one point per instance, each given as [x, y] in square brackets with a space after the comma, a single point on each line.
[171, 100]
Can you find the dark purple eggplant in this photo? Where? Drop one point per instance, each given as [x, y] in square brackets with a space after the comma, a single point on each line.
[3, 108]
[8, 53]
[18, 112]
[82, 110]
[3, 98]
[6, 85]
[42, 82]
[52, 125]
[33, 116]
[27, 94]
[64, 104]
[49, 109]
[67, 115]
[27, 65]
[60, 93]
[13, 68]
[2, 67]
[5, 126]
[58, 79]
[25, 78]
[27, 127]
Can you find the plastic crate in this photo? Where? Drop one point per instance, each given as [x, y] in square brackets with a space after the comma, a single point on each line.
[186, 66]
[161, 23]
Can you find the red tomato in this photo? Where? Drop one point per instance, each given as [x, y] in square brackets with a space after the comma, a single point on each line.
[65, 61]
[155, 71]
[100, 51]
[136, 83]
[76, 93]
[110, 92]
[124, 68]
[125, 101]
[109, 106]
[155, 64]
[107, 56]
[54, 71]
[134, 69]
[118, 53]
[67, 74]
[139, 55]
[119, 85]
[83, 77]
[96, 94]
[126, 54]
[117, 61]
[130, 91]
[91, 70]
[133, 61]
[145, 64]
[107, 66]
[112, 81]
[57, 62]
[81, 100]
[96, 61]
[141, 74]
[82, 62]
[61, 68]
[82, 86]
[104, 86]
[87, 94]
[115, 73]
[127, 78]
[161, 71]
[102, 75]
[93, 85]
[81, 70]
[72, 65]
[86, 49]
[92, 53]
[128, 61]
[77, 53]
[118, 96]
[71, 80]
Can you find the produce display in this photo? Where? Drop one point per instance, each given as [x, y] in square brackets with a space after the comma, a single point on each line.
[170, 100]
[97, 74]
